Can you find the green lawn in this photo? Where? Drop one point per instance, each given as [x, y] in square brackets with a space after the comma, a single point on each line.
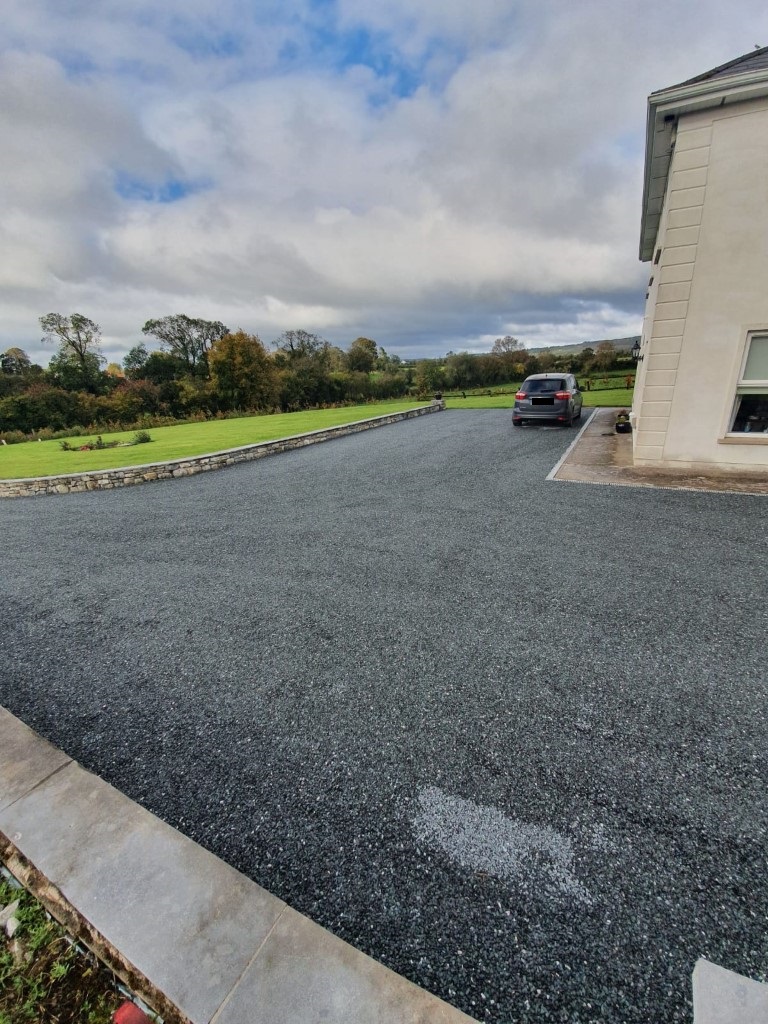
[611, 397]
[46, 458]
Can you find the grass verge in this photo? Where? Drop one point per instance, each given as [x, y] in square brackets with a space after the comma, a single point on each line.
[44, 977]
[46, 458]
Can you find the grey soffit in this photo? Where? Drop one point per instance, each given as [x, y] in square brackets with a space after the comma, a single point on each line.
[744, 78]
[655, 184]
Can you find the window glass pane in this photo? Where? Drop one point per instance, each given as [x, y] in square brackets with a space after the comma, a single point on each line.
[545, 386]
[751, 415]
[757, 359]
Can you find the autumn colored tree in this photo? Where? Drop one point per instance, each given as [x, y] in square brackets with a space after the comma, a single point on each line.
[243, 374]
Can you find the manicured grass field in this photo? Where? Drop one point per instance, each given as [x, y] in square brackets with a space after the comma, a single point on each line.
[46, 458]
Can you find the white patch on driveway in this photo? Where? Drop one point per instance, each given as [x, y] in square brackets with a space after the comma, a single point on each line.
[484, 839]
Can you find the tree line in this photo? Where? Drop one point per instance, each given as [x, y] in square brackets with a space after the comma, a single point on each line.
[199, 369]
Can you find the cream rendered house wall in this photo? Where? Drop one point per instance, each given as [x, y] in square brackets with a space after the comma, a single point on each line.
[710, 287]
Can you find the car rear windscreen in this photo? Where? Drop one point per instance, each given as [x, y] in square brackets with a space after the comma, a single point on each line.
[537, 387]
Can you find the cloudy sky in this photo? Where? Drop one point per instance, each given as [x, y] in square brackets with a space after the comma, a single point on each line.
[428, 173]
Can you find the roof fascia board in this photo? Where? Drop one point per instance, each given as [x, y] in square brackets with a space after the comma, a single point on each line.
[713, 86]
[682, 101]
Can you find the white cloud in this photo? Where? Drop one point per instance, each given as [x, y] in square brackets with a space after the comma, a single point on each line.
[495, 190]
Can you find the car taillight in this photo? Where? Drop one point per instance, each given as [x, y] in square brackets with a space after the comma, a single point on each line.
[562, 395]
[520, 395]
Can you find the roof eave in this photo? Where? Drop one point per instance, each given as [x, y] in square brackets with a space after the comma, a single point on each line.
[664, 109]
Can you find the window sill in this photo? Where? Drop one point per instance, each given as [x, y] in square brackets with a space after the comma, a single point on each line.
[743, 439]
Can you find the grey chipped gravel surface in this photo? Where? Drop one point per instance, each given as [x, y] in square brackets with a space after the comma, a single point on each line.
[333, 666]
[483, 839]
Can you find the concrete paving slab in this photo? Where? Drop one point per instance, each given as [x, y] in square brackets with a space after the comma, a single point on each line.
[184, 919]
[601, 456]
[721, 996]
[315, 977]
[26, 760]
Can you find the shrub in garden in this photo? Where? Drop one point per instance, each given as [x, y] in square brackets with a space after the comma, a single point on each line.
[140, 437]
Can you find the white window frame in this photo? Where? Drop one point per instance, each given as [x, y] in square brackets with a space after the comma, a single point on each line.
[748, 386]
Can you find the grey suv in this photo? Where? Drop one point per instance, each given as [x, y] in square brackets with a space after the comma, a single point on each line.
[548, 396]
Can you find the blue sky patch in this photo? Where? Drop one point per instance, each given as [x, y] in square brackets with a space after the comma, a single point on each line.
[374, 51]
[201, 46]
[171, 190]
[76, 63]
[326, 44]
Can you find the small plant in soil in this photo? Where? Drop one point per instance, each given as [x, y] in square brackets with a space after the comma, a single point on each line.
[623, 424]
[44, 977]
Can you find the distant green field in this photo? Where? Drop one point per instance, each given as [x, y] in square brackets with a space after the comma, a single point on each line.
[46, 458]
[610, 397]
[606, 389]
[615, 397]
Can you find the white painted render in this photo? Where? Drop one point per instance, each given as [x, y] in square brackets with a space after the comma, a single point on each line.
[709, 288]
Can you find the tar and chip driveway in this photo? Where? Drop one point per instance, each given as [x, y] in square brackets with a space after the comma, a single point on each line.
[506, 735]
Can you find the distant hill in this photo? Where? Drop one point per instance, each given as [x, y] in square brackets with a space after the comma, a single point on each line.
[571, 350]
[620, 344]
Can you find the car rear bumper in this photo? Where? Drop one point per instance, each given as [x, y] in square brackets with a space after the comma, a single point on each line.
[550, 413]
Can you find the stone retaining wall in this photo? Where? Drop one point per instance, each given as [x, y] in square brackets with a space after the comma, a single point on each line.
[127, 476]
